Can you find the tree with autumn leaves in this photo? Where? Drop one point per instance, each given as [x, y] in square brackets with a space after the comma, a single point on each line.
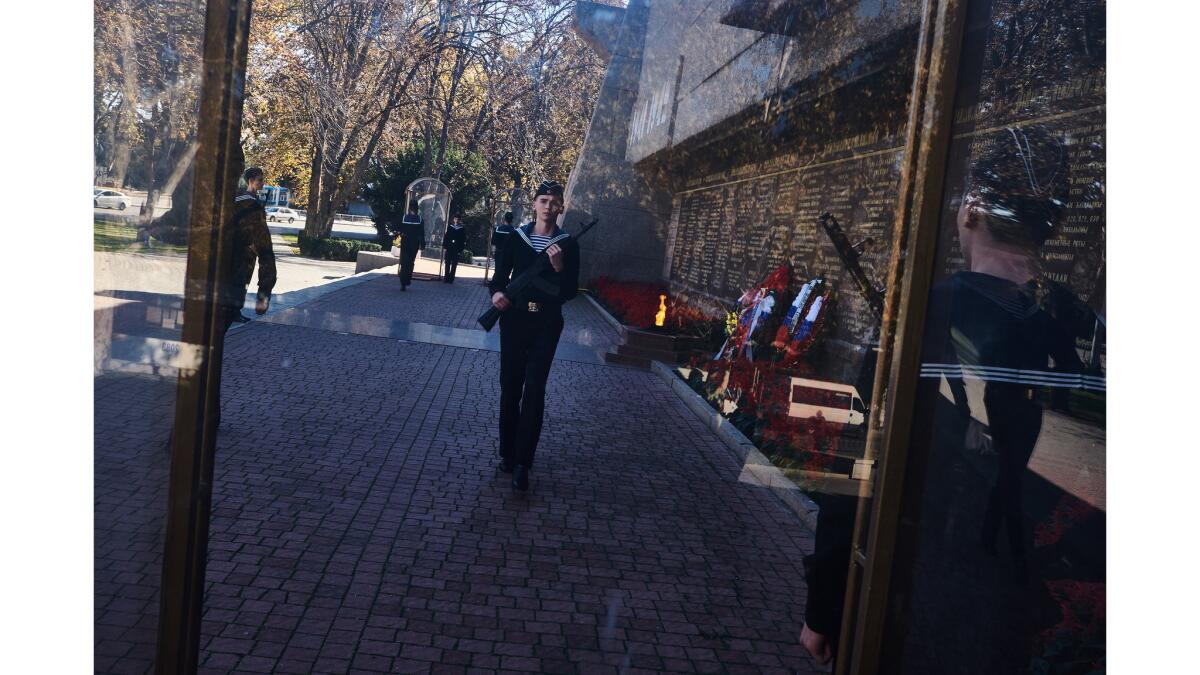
[337, 89]
[146, 96]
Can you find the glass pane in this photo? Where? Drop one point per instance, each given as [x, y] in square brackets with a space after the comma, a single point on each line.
[1001, 558]
[757, 215]
[146, 87]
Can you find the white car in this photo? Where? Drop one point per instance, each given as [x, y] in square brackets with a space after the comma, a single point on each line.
[281, 214]
[110, 199]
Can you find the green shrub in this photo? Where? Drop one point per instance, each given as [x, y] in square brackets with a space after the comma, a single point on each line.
[466, 256]
[345, 250]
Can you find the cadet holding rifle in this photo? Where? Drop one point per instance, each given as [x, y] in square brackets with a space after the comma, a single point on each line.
[530, 325]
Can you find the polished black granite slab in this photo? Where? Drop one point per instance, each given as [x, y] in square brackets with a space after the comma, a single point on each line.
[414, 331]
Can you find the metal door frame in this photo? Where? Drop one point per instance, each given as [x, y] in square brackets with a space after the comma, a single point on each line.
[198, 392]
[910, 276]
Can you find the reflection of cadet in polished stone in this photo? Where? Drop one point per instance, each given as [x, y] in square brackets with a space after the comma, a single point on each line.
[251, 241]
[412, 240]
[1001, 324]
[530, 328]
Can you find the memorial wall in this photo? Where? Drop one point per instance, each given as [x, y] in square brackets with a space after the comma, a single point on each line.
[749, 190]
[747, 121]
[730, 234]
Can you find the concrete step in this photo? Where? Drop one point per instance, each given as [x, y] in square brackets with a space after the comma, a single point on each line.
[660, 341]
[619, 359]
[664, 355]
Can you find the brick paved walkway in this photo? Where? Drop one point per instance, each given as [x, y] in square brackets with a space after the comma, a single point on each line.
[359, 524]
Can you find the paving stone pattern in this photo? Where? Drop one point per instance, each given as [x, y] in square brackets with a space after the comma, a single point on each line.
[131, 427]
[360, 525]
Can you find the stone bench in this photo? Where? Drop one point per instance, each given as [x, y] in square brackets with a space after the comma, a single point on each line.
[373, 260]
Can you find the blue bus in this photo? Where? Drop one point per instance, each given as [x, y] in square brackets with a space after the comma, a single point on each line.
[273, 195]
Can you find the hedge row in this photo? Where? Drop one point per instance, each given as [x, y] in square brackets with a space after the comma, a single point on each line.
[335, 249]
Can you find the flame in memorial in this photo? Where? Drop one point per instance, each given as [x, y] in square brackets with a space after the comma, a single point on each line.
[661, 317]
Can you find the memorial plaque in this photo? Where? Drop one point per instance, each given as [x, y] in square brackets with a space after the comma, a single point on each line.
[755, 186]
[768, 220]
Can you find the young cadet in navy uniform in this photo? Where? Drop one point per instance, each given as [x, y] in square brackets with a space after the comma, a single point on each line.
[529, 329]
[412, 240]
[453, 244]
[251, 241]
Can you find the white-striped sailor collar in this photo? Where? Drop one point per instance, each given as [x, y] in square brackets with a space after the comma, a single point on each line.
[245, 196]
[527, 229]
[1029, 376]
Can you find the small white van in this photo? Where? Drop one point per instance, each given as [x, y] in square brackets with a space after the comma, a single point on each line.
[837, 403]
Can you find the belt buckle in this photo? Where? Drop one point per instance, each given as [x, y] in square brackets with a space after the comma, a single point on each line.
[534, 307]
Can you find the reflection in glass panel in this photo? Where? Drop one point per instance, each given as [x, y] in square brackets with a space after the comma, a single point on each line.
[1001, 563]
[744, 158]
[757, 203]
[146, 91]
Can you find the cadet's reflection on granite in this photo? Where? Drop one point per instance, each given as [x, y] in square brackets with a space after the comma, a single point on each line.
[1000, 346]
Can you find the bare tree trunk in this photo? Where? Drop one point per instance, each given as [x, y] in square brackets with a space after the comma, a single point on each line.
[183, 167]
[478, 128]
[150, 168]
[154, 187]
[460, 66]
[123, 138]
[314, 188]
[106, 157]
[427, 163]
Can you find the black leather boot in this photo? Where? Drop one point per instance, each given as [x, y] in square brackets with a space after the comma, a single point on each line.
[520, 478]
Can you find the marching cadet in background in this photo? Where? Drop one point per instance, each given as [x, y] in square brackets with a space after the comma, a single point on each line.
[251, 241]
[502, 233]
[529, 330]
[499, 236]
[453, 243]
[412, 240]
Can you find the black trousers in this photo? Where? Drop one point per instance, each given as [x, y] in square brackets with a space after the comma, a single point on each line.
[408, 260]
[450, 258]
[228, 314]
[1015, 422]
[527, 344]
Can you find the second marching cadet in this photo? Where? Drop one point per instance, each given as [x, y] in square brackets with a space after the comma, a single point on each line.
[502, 233]
[530, 327]
[453, 244]
[412, 240]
